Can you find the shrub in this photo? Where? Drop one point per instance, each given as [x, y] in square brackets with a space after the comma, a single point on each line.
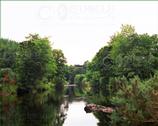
[137, 101]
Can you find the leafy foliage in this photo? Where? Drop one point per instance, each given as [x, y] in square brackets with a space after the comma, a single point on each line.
[60, 62]
[31, 64]
[35, 60]
[8, 49]
[137, 101]
[122, 75]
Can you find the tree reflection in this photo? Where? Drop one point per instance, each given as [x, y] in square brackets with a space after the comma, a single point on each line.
[36, 110]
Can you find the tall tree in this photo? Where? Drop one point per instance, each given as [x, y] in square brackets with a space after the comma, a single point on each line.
[35, 60]
[60, 62]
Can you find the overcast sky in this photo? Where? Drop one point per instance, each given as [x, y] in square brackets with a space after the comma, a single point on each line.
[79, 28]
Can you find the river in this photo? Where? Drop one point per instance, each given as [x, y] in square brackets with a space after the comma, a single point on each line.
[76, 116]
[35, 111]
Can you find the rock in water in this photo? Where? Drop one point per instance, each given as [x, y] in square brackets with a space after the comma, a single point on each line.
[97, 108]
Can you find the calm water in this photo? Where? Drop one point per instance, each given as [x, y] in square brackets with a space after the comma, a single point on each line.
[76, 116]
[35, 110]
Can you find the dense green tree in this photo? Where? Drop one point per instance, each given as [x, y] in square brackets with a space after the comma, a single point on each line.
[128, 54]
[134, 54]
[78, 81]
[137, 101]
[100, 70]
[60, 62]
[114, 71]
[8, 74]
[73, 70]
[35, 60]
[8, 49]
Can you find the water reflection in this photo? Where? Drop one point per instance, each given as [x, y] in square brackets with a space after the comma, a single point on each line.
[103, 118]
[39, 110]
[34, 110]
[44, 114]
[76, 116]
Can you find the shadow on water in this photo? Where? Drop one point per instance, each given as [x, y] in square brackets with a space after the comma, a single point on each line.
[33, 110]
[41, 109]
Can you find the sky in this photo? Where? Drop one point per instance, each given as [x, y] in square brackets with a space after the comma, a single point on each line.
[79, 28]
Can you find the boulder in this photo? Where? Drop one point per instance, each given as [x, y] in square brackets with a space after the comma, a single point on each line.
[98, 108]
